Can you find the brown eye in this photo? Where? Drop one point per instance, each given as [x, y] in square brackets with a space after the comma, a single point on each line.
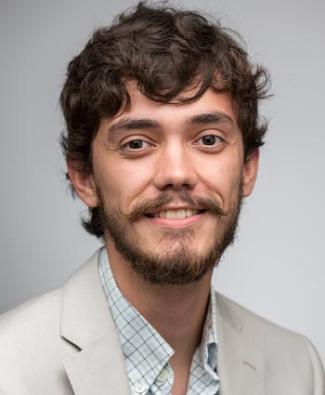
[135, 144]
[210, 139]
[135, 147]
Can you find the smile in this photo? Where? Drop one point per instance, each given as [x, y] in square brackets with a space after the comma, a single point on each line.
[175, 218]
[175, 214]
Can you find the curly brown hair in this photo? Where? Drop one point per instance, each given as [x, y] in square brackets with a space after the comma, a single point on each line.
[165, 50]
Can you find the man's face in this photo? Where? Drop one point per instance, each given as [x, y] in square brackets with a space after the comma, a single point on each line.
[169, 179]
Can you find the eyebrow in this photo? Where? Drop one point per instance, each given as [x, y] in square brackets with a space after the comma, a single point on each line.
[214, 117]
[132, 124]
[200, 119]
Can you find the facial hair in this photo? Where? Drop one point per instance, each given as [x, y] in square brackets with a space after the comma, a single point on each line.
[180, 264]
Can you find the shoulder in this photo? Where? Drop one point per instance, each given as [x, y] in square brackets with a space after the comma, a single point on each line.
[258, 328]
[241, 316]
[41, 308]
[27, 327]
[37, 337]
[30, 344]
[284, 353]
[31, 329]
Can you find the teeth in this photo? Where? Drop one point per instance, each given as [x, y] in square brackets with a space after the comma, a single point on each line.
[180, 214]
[171, 214]
[176, 214]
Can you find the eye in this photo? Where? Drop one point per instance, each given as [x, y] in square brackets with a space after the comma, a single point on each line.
[135, 147]
[136, 144]
[210, 140]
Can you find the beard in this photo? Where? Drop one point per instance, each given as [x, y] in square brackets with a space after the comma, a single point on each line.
[179, 264]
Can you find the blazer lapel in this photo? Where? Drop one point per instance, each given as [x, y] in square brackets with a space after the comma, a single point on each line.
[240, 367]
[98, 366]
[97, 371]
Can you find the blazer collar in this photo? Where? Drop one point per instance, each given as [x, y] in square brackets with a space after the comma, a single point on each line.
[98, 366]
[240, 365]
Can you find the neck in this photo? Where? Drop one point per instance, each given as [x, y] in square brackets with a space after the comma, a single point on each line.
[177, 312]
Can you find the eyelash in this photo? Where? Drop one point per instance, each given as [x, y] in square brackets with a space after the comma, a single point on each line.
[133, 141]
[126, 146]
[215, 136]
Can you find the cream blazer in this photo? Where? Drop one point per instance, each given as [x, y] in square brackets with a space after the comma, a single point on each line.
[65, 343]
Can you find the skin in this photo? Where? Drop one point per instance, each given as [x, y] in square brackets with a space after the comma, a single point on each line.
[135, 161]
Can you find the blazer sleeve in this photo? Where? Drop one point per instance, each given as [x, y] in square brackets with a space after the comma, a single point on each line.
[318, 370]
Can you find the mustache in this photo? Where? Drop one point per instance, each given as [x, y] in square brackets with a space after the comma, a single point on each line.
[196, 203]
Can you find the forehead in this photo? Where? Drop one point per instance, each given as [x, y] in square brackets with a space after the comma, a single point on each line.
[210, 102]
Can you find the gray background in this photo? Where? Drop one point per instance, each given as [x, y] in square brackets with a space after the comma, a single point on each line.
[276, 267]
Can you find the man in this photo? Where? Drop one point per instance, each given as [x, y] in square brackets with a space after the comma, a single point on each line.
[162, 144]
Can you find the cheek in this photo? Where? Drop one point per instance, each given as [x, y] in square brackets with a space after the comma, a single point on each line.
[223, 176]
[123, 182]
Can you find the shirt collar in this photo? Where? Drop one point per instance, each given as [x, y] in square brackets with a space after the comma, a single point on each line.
[208, 345]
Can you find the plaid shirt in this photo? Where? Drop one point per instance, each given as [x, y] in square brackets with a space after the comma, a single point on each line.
[147, 354]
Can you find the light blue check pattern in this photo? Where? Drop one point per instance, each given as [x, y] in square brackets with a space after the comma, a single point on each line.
[147, 354]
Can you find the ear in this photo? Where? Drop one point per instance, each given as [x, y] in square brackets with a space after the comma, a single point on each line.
[250, 172]
[84, 185]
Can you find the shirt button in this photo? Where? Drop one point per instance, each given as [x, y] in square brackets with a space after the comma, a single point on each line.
[139, 388]
[163, 375]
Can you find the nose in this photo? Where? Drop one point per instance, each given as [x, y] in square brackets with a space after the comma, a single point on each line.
[175, 169]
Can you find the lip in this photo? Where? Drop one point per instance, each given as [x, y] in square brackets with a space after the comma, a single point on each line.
[175, 223]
